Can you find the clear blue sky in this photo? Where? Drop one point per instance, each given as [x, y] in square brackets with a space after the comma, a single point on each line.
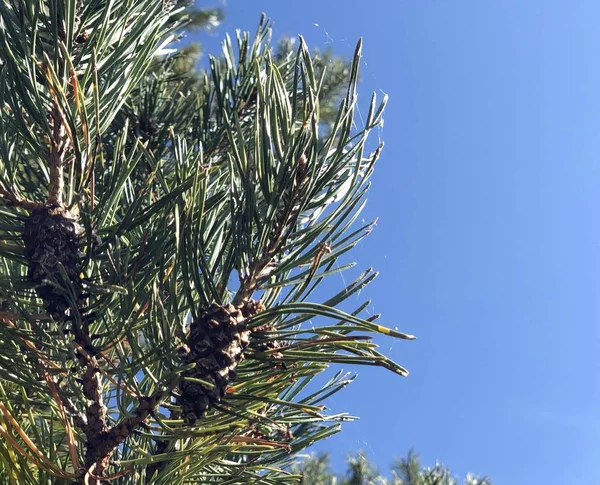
[488, 241]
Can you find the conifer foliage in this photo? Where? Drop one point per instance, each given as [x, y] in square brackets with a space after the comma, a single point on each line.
[161, 242]
[316, 470]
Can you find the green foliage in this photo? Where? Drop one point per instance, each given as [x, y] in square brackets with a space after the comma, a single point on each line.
[190, 190]
[316, 470]
[194, 18]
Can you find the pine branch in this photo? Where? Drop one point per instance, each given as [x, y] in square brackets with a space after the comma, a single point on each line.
[12, 199]
[175, 192]
[58, 147]
[283, 226]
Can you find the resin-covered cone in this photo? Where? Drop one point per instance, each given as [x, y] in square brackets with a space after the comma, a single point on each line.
[51, 239]
[216, 345]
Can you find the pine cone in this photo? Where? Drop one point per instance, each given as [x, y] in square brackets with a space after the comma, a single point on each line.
[216, 342]
[51, 239]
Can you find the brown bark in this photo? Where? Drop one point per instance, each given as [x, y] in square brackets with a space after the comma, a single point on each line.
[56, 158]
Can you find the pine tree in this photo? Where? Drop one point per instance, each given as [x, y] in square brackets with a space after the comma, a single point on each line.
[316, 470]
[162, 236]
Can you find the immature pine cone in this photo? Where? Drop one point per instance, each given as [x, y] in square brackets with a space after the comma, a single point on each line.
[51, 239]
[216, 342]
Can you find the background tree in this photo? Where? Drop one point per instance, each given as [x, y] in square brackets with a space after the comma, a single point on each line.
[162, 236]
[316, 470]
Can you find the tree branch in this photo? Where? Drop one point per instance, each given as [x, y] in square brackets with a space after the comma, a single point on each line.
[55, 161]
[102, 445]
[95, 414]
[12, 199]
[280, 231]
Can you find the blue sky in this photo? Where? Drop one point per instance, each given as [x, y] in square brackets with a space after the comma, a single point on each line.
[488, 238]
